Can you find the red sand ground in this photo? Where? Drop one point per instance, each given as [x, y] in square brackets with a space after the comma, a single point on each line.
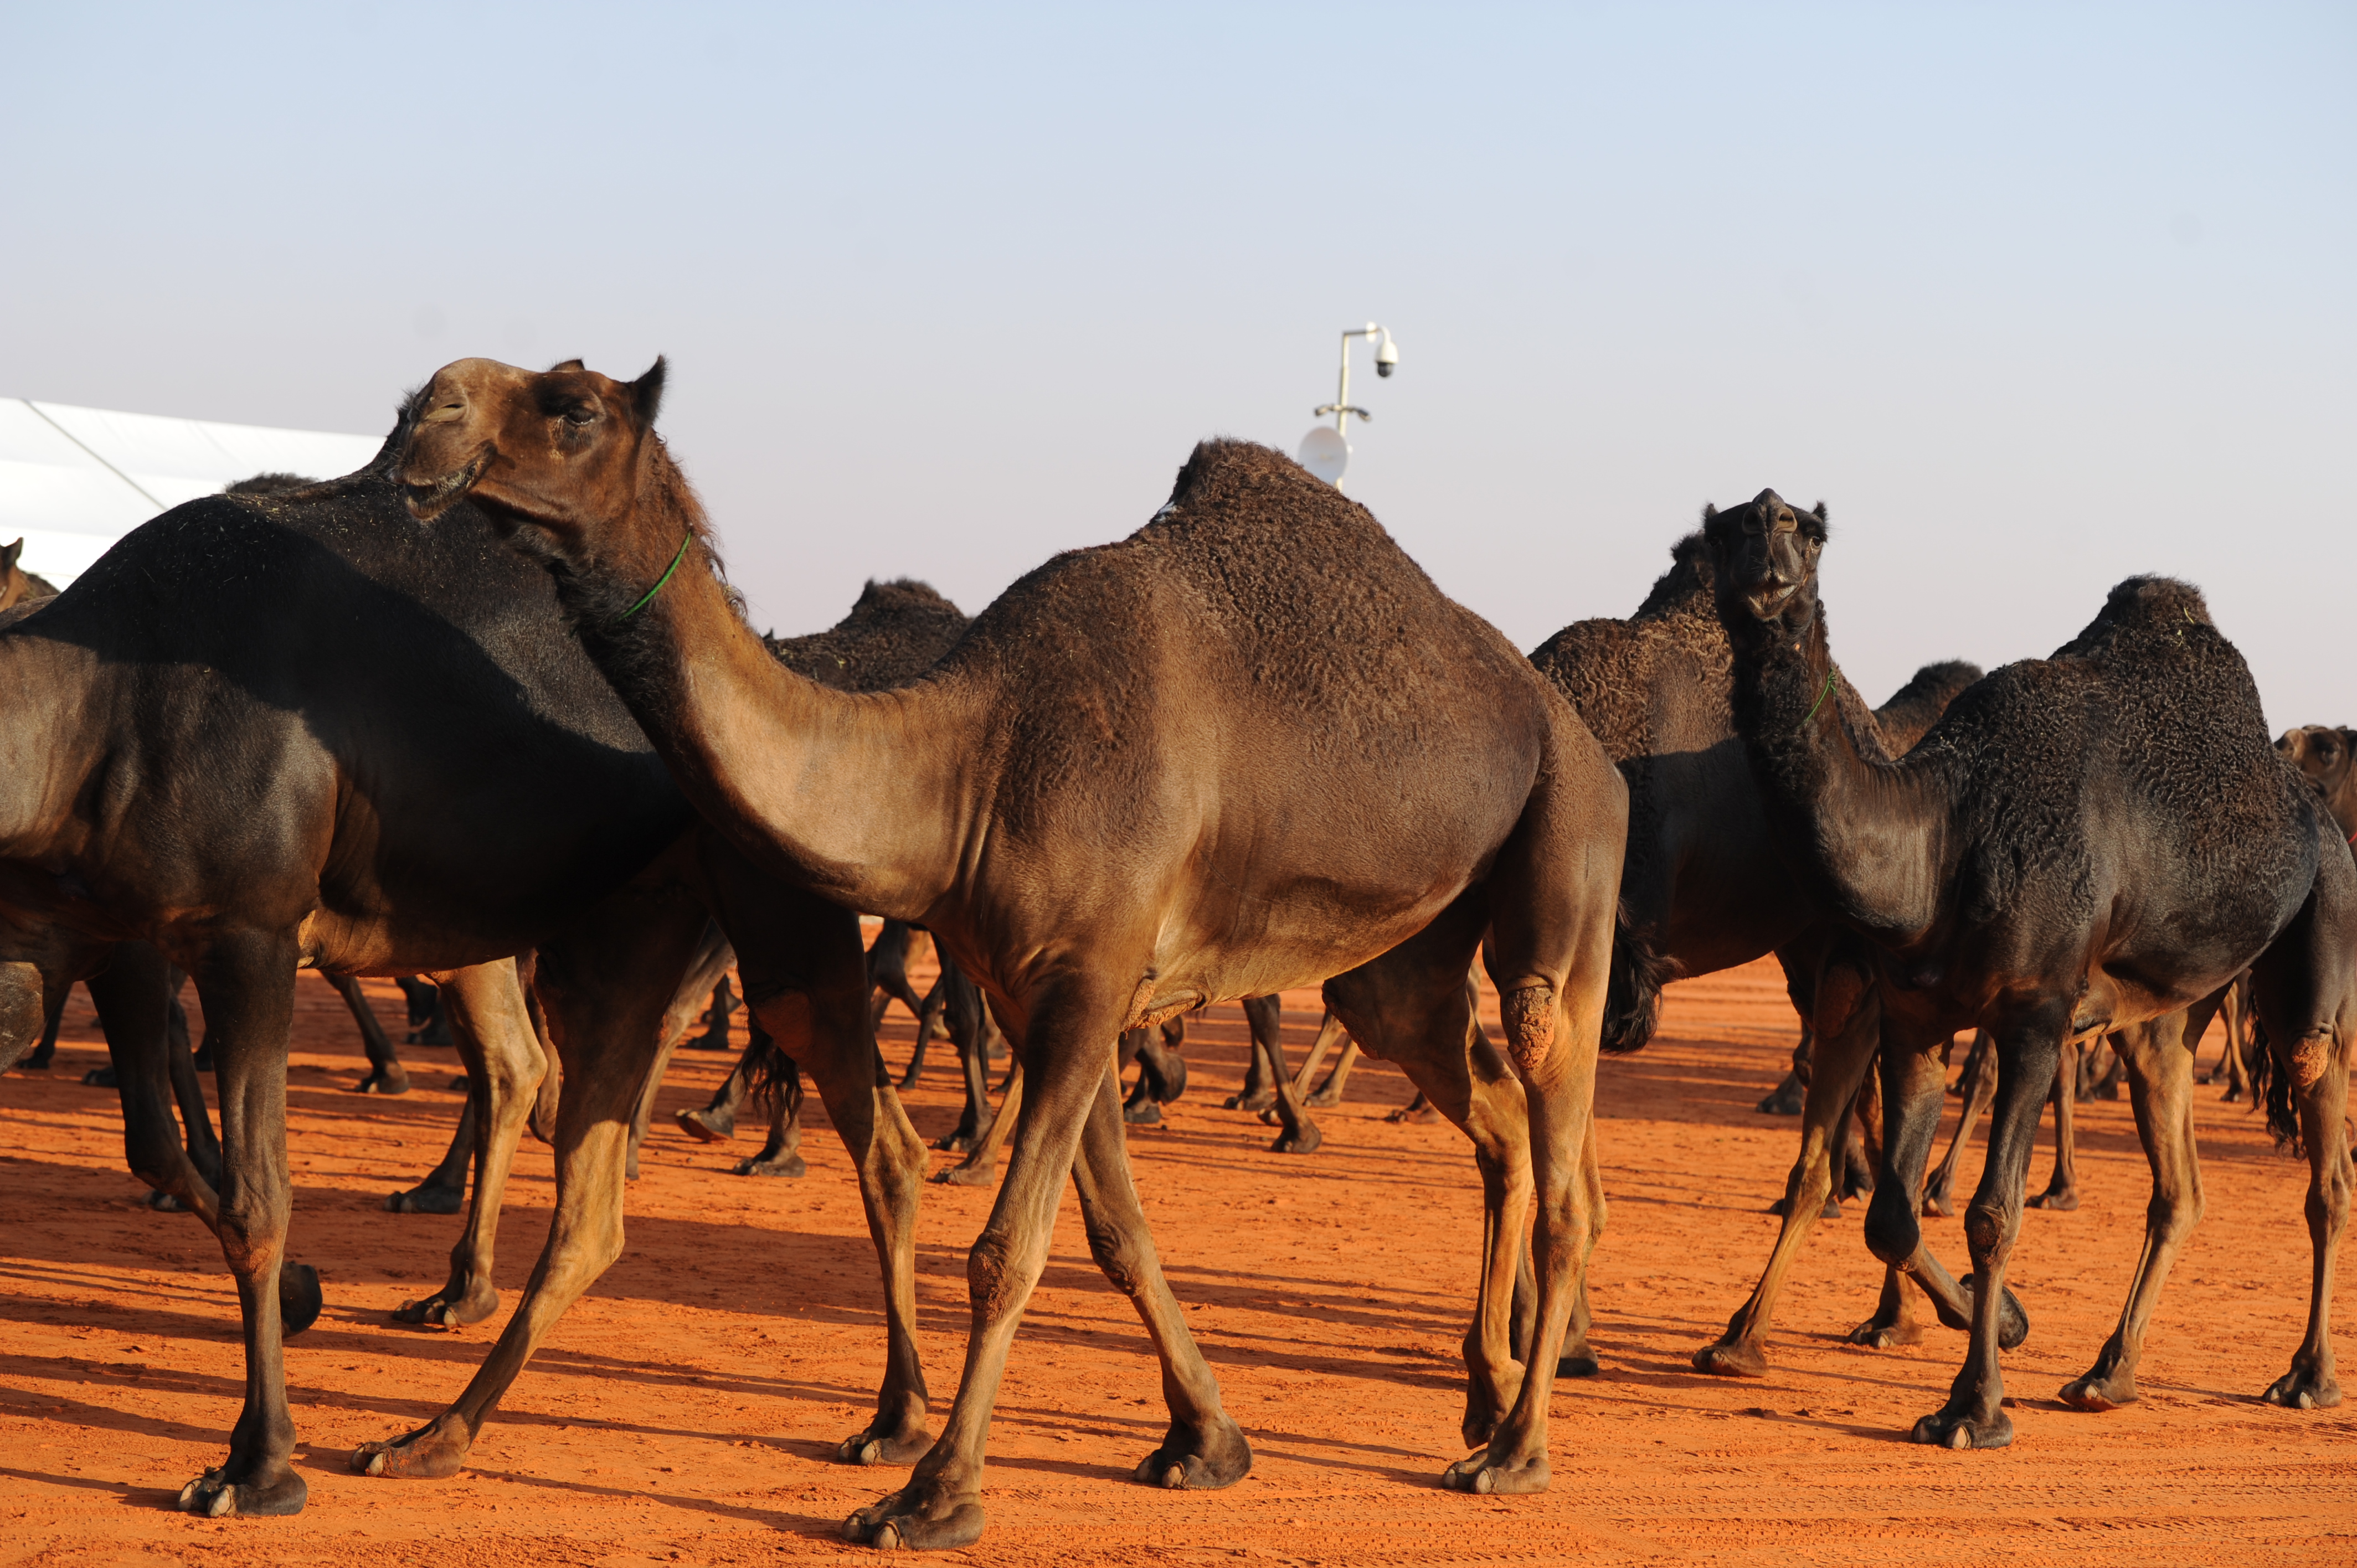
[684, 1411]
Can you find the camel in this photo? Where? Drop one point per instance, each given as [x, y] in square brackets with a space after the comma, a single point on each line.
[1706, 889]
[279, 762]
[2096, 843]
[1095, 804]
[16, 584]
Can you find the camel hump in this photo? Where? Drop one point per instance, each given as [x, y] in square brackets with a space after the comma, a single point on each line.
[901, 595]
[1222, 472]
[1686, 585]
[2138, 605]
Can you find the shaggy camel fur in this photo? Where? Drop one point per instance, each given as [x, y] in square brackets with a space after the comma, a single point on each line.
[1703, 886]
[1095, 805]
[252, 736]
[2092, 843]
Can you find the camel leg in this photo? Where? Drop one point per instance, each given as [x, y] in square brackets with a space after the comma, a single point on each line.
[2236, 1063]
[1913, 1089]
[1979, 1087]
[2027, 1053]
[1203, 1448]
[1259, 1090]
[2062, 1188]
[1846, 1032]
[484, 1004]
[246, 980]
[929, 1024]
[970, 1031]
[2159, 1058]
[53, 1020]
[385, 1074]
[980, 1166]
[1265, 1015]
[2304, 994]
[1331, 1033]
[444, 1190]
[715, 1121]
[1066, 1048]
[888, 972]
[1165, 1062]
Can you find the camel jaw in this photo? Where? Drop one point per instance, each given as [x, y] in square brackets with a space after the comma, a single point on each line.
[429, 499]
[1767, 602]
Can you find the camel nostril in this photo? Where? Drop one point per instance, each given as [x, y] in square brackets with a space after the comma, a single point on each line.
[446, 413]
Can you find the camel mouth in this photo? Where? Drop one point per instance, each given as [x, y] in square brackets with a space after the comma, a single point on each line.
[429, 499]
[1766, 602]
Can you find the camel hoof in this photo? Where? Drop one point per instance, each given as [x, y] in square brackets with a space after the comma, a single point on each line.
[870, 1446]
[704, 1126]
[1304, 1142]
[1732, 1358]
[1322, 1101]
[1261, 1101]
[1483, 1478]
[101, 1078]
[384, 1083]
[2303, 1388]
[790, 1166]
[889, 1524]
[428, 1454]
[1214, 1460]
[2097, 1394]
[215, 1495]
[1577, 1364]
[1953, 1430]
[165, 1203]
[427, 1199]
[1936, 1206]
[1876, 1334]
[1145, 1113]
[2064, 1201]
[443, 1310]
[299, 1298]
[1175, 1083]
[1413, 1116]
[963, 1176]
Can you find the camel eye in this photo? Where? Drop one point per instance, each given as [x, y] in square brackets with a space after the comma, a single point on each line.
[579, 415]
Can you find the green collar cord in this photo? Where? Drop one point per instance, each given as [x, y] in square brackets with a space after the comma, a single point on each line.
[1819, 703]
[649, 597]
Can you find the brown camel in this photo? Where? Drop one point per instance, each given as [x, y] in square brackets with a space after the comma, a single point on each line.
[253, 736]
[1096, 804]
[2096, 843]
[16, 584]
[1704, 886]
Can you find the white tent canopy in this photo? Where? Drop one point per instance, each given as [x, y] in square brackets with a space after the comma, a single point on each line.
[74, 480]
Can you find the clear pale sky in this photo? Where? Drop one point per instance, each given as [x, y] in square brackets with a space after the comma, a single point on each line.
[2035, 296]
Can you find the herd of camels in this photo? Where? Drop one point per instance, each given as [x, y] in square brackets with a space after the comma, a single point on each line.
[487, 711]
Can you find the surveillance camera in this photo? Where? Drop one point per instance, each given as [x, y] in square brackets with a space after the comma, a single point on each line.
[1386, 356]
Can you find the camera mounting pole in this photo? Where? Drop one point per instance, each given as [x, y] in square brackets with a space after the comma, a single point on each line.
[1386, 356]
[1326, 453]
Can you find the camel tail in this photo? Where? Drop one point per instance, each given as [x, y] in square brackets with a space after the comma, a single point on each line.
[2271, 1087]
[775, 1075]
[1633, 999]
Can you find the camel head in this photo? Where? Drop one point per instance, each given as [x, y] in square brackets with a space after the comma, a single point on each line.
[1763, 555]
[559, 448]
[2325, 752]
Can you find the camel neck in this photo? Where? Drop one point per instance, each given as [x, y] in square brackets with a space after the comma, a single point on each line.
[1864, 834]
[852, 795]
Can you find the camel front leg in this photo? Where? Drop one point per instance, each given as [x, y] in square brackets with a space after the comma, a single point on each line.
[1846, 1029]
[2062, 1188]
[1066, 1049]
[484, 1005]
[2159, 1059]
[1979, 1088]
[246, 980]
[1266, 1015]
[385, 1074]
[1973, 1416]
[1330, 1033]
[1203, 1448]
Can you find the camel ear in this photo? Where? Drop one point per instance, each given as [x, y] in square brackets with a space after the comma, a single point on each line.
[1709, 511]
[562, 365]
[1818, 511]
[9, 553]
[646, 392]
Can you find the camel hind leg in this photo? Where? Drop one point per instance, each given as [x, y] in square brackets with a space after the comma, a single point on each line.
[1846, 1028]
[1553, 898]
[1979, 1087]
[385, 1074]
[2304, 989]
[494, 1034]
[2158, 1056]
